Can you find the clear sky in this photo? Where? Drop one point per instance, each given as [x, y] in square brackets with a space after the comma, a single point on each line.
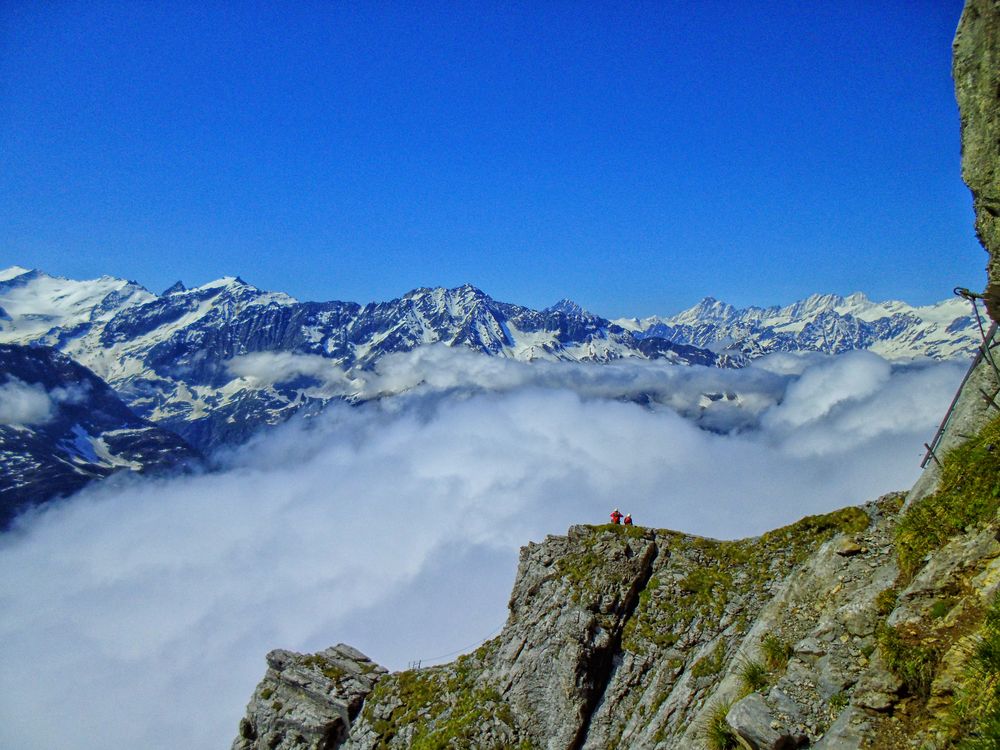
[632, 156]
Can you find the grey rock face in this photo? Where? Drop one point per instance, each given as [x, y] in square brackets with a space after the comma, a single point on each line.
[976, 69]
[551, 664]
[307, 702]
[972, 410]
[565, 671]
[752, 720]
[625, 638]
[638, 638]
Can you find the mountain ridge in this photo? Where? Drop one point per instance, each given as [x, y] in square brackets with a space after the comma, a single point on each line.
[170, 356]
[70, 429]
[821, 322]
[180, 358]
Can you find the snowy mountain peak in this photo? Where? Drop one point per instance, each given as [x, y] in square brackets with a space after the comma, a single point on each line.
[568, 307]
[709, 308]
[176, 288]
[226, 282]
[235, 288]
[45, 309]
[464, 293]
[13, 272]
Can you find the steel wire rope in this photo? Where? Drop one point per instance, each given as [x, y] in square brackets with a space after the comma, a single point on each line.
[480, 642]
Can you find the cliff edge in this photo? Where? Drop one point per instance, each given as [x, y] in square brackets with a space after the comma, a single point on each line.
[849, 630]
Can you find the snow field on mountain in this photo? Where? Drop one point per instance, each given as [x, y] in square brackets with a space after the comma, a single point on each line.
[395, 525]
[49, 302]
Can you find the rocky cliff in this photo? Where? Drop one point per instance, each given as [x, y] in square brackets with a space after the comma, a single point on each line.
[855, 629]
[976, 71]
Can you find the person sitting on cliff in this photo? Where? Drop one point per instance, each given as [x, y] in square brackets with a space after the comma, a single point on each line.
[628, 519]
[616, 517]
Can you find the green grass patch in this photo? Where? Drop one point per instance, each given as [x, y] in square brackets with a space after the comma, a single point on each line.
[910, 658]
[838, 702]
[941, 607]
[977, 711]
[710, 587]
[885, 602]
[968, 495]
[717, 733]
[328, 670]
[753, 676]
[775, 651]
[709, 570]
[443, 707]
[712, 663]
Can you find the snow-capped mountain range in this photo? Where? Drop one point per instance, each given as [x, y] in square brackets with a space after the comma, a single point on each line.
[823, 322]
[215, 362]
[186, 359]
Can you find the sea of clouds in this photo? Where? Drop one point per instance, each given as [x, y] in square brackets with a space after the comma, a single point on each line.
[138, 613]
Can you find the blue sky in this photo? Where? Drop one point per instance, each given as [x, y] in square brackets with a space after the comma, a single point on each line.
[632, 156]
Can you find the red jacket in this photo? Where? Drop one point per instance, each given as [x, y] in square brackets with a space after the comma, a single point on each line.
[616, 517]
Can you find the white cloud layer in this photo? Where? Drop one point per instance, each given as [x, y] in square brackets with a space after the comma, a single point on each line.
[269, 368]
[138, 613]
[24, 404]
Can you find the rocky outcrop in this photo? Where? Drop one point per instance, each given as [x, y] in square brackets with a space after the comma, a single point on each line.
[976, 70]
[307, 702]
[633, 638]
[975, 403]
[848, 630]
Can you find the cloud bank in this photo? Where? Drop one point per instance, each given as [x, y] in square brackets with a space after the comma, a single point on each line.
[138, 613]
[31, 404]
[24, 404]
[269, 368]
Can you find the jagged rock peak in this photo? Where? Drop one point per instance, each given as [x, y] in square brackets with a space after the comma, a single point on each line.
[176, 288]
[465, 290]
[708, 308]
[568, 307]
[235, 286]
[224, 282]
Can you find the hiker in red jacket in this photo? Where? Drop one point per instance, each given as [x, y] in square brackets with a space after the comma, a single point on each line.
[628, 519]
[616, 517]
